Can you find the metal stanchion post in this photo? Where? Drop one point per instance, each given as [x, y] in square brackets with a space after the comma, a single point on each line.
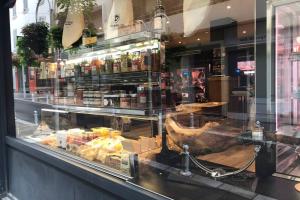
[186, 161]
[36, 117]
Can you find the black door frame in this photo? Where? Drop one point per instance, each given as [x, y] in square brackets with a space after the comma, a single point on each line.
[7, 117]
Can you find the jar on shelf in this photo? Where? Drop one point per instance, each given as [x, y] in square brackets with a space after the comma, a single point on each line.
[97, 102]
[111, 100]
[79, 96]
[97, 94]
[125, 101]
[133, 100]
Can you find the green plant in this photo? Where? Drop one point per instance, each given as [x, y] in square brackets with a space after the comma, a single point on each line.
[35, 37]
[15, 60]
[56, 33]
[25, 55]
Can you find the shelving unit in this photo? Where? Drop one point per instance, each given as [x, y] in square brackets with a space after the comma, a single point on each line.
[127, 81]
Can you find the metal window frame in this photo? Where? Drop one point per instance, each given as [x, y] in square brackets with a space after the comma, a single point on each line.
[7, 124]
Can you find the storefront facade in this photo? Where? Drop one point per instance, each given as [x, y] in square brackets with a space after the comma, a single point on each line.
[173, 99]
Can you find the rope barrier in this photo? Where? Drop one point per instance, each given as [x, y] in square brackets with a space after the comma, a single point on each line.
[220, 173]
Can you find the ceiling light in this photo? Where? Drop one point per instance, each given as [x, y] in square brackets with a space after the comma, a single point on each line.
[228, 7]
[244, 32]
[168, 22]
[198, 39]
[100, 28]
[179, 42]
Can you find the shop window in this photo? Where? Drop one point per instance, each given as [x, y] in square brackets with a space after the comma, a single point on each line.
[153, 77]
[167, 70]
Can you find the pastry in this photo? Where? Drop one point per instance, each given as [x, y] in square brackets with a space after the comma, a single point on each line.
[102, 131]
[50, 140]
[115, 133]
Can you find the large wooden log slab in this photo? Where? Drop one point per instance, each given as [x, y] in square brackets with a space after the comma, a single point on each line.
[200, 140]
[196, 107]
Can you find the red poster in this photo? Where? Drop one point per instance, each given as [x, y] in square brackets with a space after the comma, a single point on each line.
[32, 80]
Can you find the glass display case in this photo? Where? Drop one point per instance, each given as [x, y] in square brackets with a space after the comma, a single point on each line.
[106, 107]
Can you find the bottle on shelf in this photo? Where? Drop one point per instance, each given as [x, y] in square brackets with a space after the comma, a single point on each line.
[82, 68]
[136, 61]
[58, 71]
[108, 65]
[94, 68]
[124, 62]
[141, 97]
[155, 60]
[87, 69]
[133, 100]
[117, 64]
[129, 62]
[147, 60]
[125, 100]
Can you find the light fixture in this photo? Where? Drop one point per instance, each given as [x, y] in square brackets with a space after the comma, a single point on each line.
[168, 22]
[228, 7]
[198, 39]
[179, 42]
[244, 32]
[100, 28]
[160, 17]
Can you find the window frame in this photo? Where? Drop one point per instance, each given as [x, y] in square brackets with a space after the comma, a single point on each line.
[25, 6]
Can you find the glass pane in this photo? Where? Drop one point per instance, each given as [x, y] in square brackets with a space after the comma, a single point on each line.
[130, 84]
[287, 87]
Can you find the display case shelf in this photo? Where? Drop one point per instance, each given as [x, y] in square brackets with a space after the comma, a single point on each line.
[142, 114]
[123, 78]
[110, 44]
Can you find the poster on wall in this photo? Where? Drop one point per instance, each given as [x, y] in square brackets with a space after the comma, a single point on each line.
[199, 84]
